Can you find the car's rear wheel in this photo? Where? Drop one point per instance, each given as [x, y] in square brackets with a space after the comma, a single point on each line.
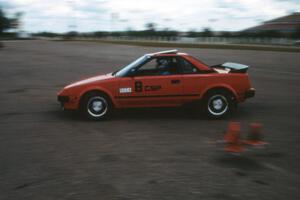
[218, 104]
[96, 106]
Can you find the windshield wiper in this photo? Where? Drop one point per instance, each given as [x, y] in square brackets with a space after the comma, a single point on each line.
[115, 72]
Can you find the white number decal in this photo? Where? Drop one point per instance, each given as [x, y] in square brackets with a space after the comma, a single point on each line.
[125, 90]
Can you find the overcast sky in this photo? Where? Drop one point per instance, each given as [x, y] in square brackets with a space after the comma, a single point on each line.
[182, 15]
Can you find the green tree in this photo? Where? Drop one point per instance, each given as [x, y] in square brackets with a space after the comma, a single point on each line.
[207, 32]
[192, 33]
[9, 23]
[5, 23]
[150, 26]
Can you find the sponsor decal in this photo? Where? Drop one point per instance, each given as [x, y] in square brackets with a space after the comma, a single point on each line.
[152, 87]
[125, 90]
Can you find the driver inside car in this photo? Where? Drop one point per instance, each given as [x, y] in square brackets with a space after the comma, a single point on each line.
[163, 67]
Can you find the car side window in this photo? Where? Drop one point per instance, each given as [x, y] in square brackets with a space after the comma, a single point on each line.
[159, 66]
[187, 67]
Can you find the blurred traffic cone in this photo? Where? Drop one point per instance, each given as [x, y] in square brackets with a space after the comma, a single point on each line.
[255, 137]
[232, 137]
[232, 128]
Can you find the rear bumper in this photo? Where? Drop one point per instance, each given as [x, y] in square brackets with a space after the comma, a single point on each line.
[250, 93]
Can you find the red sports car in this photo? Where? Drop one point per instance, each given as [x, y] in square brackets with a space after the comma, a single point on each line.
[161, 79]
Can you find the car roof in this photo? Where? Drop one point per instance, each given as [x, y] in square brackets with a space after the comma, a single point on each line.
[166, 53]
[174, 52]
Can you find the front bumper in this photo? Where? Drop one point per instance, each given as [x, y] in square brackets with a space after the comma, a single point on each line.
[68, 102]
[250, 93]
[63, 99]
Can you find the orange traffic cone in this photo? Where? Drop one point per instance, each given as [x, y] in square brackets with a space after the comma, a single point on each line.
[255, 137]
[232, 137]
[232, 128]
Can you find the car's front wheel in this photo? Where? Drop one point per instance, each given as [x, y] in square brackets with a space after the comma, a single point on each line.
[218, 104]
[96, 106]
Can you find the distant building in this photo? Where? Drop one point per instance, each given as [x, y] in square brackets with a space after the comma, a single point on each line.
[285, 24]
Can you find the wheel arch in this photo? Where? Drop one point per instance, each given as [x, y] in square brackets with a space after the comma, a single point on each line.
[225, 88]
[95, 90]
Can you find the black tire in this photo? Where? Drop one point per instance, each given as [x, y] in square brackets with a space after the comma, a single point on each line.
[96, 106]
[218, 104]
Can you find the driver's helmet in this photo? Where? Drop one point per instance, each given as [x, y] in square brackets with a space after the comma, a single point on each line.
[162, 62]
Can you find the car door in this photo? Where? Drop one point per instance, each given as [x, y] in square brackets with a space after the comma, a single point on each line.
[159, 90]
[129, 92]
[192, 80]
[151, 86]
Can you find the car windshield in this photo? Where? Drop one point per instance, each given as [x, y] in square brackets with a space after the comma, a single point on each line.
[124, 71]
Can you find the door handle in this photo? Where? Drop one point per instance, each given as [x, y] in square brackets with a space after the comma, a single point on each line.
[176, 81]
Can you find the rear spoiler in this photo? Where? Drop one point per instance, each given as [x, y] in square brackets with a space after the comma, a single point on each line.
[232, 67]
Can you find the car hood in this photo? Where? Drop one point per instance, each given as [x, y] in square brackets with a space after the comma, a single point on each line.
[90, 80]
